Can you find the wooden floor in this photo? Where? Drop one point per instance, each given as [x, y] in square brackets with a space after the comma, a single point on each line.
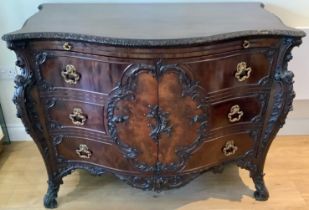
[23, 184]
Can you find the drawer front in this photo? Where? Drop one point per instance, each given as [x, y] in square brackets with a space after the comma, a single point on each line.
[215, 151]
[79, 115]
[231, 71]
[150, 53]
[234, 111]
[76, 149]
[76, 71]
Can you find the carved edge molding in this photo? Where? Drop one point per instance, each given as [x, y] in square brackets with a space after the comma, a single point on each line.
[283, 98]
[150, 43]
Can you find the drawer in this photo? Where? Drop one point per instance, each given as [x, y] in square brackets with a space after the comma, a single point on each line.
[80, 115]
[215, 151]
[105, 154]
[81, 71]
[234, 111]
[231, 71]
[156, 52]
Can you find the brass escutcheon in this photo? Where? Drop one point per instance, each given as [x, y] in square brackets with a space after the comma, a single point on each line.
[70, 75]
[67, 46]
[243, 72]
[83, 151]
[246, 44]
[77, 117]
[235, 114]
[229, 148]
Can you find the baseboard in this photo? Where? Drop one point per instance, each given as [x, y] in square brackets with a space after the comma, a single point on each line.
[297, 123]
[17, 132]
[1, 134]
[295, 127]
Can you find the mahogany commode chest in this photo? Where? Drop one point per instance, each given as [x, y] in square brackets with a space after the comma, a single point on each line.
[155, 94]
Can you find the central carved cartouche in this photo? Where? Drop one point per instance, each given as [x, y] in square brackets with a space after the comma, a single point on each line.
[158, 121]
[162, 124]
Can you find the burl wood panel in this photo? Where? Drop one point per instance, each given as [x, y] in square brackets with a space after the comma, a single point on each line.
[135, 131]
[180, 111]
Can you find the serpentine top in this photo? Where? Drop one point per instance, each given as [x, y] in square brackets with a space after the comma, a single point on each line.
[151, 24]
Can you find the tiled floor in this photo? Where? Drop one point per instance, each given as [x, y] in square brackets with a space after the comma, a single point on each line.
[23, 184]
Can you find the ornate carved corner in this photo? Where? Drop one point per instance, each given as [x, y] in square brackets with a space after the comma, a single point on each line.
[284, 93]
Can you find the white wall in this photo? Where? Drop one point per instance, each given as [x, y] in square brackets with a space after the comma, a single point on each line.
[13, 13]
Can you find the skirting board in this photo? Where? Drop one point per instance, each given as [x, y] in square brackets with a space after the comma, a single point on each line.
[17, 132]
[297, 123]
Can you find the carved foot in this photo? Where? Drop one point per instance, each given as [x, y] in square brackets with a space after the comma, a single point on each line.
[51, 195]
[261, 193]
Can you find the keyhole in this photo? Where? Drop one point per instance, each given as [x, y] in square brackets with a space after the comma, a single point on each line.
[83, 153]
[236, 116]
[70, 77]
[229, 150]
[78, 119]
[244, 74]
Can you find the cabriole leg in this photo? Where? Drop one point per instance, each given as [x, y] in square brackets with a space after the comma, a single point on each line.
[261, 193]
[52, 193]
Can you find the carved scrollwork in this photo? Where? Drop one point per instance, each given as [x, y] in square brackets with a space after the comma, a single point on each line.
[190, 88]
[23, 99]
[283, 98]
[27, 110]
[162, 124]
[246, 162]
[22, 81]
[126, 91]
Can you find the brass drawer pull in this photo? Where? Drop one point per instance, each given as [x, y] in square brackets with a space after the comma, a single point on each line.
[235, 113]
[246, 44]
[229, 148]
[83, 151]
[243, 72]
[70, 75]
[77, 117]
[67, 46]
